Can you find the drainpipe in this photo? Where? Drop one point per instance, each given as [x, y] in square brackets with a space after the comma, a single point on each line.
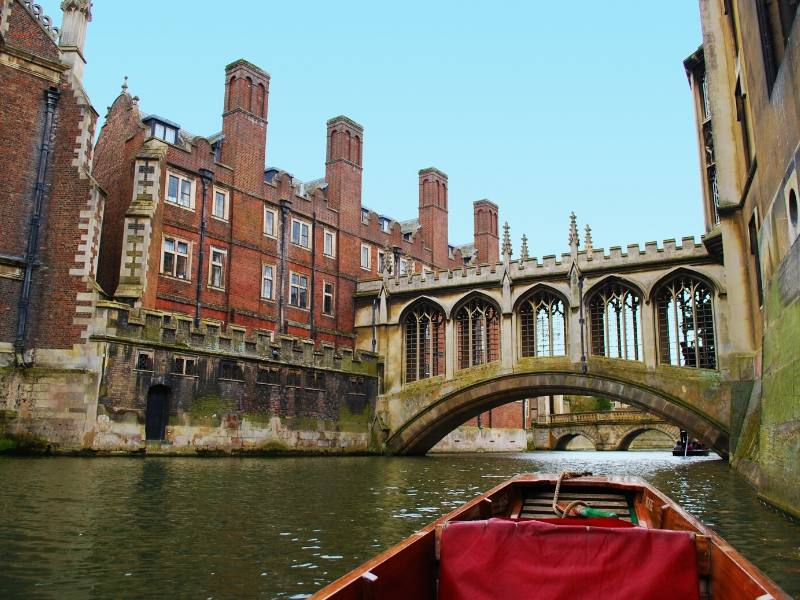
[206, 177]
[50, 100]
[285, 204]
[584, 366]
[313, 270]
[374, 325]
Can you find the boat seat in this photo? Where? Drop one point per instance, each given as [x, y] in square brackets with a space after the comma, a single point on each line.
[539, 504]
[503, 558]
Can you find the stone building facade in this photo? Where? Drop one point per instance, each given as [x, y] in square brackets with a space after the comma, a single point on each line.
[744, 79]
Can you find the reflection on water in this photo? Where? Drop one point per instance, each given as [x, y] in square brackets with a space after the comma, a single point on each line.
[283, 528]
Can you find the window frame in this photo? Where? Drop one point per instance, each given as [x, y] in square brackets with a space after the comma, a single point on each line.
[148, 353]
[292, 284]
[264, 267]
[188, 256]
[326, 235]
[225, 205]
[182, 372]
[365, 216]
[274, 212]
[181, 179]
[301, 224]
[331, 295]
[222, 267]
[368, 248]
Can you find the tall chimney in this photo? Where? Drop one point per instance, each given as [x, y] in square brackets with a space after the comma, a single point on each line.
[77, 14]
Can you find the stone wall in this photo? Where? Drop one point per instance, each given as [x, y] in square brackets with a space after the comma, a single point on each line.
[468, 438]
[776, 445]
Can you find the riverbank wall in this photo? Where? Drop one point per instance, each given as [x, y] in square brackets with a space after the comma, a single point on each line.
[153, 382]
[468, 438]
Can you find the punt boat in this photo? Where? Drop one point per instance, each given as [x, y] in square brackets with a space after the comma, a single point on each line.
[570, 536]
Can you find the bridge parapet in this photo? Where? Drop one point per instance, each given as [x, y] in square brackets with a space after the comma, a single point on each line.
[595, 260]
[615, 416]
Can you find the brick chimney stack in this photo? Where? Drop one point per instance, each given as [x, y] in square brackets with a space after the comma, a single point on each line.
[244, 124]
[487, 238]
[433, 214]
[343, 169]
[75, 21]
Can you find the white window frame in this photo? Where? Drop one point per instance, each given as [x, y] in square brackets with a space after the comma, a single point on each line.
[188, 255]
[292, 284]
[365, 216]
[222, 266]
[386, 225]
[264, 267]
[368, 248]
[402, 266]
[181, 179]
[225, 205]
[327, 234]
[331, 295]
[381, 266]
[301, 224]
[274, 213]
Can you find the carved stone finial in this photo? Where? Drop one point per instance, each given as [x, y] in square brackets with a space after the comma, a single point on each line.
[84, 6]
[523, 249]
[506, 242]
[587, 241]
[573, 231]
[125, 84]
[388, 261]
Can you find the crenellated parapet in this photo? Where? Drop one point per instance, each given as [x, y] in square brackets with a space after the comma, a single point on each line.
[122, 323]
[590, 261]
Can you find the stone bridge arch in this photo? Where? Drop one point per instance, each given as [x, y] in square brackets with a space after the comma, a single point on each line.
[565, 438]
[424, 423]
[672, 432]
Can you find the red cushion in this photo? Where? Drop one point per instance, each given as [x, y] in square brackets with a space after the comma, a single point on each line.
[530, 559]
[593, 521]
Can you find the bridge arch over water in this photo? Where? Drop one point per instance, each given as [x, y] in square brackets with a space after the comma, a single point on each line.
[424, 427]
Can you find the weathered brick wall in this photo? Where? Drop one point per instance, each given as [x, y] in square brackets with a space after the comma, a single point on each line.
[62, 288]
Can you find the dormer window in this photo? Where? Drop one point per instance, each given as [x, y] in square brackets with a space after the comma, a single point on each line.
[164, 132]
[450, 252]
[365, 216]
[386, 224]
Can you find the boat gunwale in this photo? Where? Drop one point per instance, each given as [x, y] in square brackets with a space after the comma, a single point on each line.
[626, 484]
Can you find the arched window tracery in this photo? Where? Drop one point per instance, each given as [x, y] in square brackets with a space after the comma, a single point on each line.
[542, 325]
[477, 333]
[686, 323]
[616, 322]
[424, 334]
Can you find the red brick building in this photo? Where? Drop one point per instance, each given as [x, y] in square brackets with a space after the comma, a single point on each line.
[51, 207]
[198, 225]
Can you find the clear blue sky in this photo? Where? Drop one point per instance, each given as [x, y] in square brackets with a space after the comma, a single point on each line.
[544, 107]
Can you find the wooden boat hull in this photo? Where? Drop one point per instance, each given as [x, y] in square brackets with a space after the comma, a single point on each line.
[703, 452]
[410, 569]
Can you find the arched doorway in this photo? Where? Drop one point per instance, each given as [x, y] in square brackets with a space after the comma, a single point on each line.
[157, 412]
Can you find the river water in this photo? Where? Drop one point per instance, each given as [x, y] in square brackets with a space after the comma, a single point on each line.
[284, 527]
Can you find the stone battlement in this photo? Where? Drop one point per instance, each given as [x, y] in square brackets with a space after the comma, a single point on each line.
[596, 260]
[119, 322]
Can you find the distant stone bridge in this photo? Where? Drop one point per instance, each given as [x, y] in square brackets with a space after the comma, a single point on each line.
[647, 327]
[608, 430]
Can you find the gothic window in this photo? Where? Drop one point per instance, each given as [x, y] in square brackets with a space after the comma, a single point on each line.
[686, 323]
[542, 325]
[616, 321]
[478, 333]
[425, 342]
